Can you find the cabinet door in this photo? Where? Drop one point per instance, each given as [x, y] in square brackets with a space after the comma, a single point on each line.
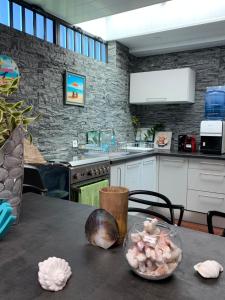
[148, 177]
[173, 179]
[133, 175]
[117, 173]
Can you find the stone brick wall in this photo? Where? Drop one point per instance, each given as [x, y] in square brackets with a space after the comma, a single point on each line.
[209, 65]
[42, 66]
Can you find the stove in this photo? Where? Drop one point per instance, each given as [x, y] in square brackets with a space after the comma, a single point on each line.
[86, 174]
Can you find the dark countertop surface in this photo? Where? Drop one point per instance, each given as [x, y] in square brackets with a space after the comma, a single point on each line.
[155, 152]
[54, 227]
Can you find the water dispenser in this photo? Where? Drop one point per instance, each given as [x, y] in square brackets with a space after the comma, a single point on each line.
[215, 103]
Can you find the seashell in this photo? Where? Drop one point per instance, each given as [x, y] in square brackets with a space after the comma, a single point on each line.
[209, 269]
[101, 229]
[53, 273]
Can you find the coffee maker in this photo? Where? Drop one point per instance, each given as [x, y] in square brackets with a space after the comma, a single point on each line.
[212, 133]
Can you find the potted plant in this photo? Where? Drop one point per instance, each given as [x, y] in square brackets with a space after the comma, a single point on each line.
[14, 121]
[136, 124]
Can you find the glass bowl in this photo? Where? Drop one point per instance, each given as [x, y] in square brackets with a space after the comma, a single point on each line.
[153, 249]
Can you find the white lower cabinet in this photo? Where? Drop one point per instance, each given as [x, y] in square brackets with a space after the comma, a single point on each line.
[117, 175]
[200, 201]
[173, 179]
[198, 184]
[149, 174]
[133, 172]
[136, 175]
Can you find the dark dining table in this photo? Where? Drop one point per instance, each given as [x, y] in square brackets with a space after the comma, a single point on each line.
[54, 227]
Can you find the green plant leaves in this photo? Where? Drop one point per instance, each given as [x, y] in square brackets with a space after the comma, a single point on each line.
[13, 115]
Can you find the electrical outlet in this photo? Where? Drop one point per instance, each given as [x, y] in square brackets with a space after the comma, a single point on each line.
[75, 143]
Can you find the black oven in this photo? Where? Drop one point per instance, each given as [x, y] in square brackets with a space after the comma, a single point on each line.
[81, 176]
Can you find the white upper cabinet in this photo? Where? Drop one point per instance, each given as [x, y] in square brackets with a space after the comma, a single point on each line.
[163, 87]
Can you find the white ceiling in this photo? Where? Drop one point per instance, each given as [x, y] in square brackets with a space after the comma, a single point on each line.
[173, 26]
[77, 11]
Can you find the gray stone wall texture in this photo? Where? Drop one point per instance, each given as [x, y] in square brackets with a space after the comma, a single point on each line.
[209, 65]
[42, 66]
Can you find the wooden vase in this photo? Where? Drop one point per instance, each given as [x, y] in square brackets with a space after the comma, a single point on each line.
[115, 200]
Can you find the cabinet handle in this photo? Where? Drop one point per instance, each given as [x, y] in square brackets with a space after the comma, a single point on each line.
[211, 164]
[148, 162]
[213, 197]
[132, 166]
[173, 160]
[146, 99]
[210, 174]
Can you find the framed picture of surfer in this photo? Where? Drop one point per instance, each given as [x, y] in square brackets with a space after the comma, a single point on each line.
[74, 89]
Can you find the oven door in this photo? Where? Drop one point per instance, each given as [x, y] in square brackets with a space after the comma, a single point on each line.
[87, 192]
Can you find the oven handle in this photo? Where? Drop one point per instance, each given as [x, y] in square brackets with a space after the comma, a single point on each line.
[76, 187]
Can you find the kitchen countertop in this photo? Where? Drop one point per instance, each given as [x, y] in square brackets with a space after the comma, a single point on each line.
[156, 152]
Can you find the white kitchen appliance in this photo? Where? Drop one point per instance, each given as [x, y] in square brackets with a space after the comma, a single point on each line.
[212, 133]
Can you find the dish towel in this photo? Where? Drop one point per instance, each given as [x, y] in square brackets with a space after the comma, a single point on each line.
[89, 194]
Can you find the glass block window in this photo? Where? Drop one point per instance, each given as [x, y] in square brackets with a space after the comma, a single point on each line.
[70, 41]
[4, 12]
[29, 21]
[98, 50]
[78, 43]
[91, 48]
[62, 36]
[85, 45]
[40, 26]
[17, 16]
[49, 30]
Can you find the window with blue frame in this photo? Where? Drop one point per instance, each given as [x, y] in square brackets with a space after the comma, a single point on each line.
[70, 41]
[49, 30]
[85, 45]
[91, 48]
[78, 43]
[104, 58]
[40, 26]
[97, 50]
[62, 36]
[4, 12]
[29, 21]
[17, 17]
[24, 18]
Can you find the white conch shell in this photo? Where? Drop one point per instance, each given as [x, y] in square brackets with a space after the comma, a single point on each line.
[209, 269]
[53, 273]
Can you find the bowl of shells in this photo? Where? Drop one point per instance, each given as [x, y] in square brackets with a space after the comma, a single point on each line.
[153, 249]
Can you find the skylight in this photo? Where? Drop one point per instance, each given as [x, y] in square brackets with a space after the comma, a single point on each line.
[156, 18]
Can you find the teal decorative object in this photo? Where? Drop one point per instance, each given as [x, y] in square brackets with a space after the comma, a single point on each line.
[9, 75]
[6, 218]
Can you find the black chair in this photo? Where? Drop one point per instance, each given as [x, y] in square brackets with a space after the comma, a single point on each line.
[210, 215]
[55, 177]
[32, 181]
[171, 207]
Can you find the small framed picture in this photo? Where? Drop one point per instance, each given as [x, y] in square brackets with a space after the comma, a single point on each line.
[74, 89]
[163, 140]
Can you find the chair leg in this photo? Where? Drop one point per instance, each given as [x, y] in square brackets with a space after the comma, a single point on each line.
[180, 217]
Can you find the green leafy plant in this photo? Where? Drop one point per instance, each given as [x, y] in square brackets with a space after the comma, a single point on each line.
[136, 124]
[13, 115]
[150, 134]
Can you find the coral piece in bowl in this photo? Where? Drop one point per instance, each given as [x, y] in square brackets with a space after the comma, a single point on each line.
[153, 249]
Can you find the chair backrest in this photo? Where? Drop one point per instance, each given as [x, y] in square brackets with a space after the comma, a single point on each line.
[210, 215]
[32, 181]
[133, 196]
[55, 176]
